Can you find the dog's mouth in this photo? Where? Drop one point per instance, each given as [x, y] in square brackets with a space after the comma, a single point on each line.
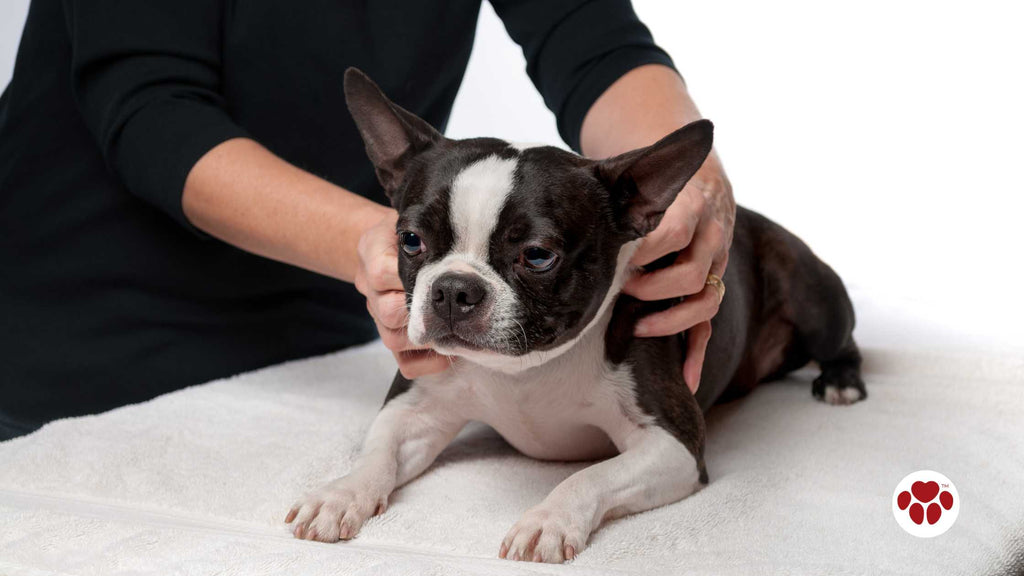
[452, 341]
[457, 343]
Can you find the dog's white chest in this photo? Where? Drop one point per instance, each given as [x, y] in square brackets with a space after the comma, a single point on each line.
[573, 408]
[543, 418]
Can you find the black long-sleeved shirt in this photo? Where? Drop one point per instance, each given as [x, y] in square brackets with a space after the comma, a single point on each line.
[107, 295]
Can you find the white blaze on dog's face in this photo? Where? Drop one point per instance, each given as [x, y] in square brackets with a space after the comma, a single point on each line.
[510, 254]
[462, 294]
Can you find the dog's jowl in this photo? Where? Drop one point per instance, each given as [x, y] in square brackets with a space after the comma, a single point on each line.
[514, 258]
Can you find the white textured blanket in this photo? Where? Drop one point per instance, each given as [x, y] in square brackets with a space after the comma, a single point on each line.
[198, 481]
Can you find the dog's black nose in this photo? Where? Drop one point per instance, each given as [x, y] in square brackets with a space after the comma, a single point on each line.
[455, 295]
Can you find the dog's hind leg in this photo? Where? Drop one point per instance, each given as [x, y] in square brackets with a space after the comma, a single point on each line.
[824, 319]
[804, 314]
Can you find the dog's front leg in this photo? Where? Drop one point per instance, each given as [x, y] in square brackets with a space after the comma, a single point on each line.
[653, 469]
[405, 438]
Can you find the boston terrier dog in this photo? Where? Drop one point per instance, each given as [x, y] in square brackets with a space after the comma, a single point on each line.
[513, 259]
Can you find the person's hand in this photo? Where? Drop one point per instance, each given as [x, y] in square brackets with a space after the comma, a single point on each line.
[377, 279]
[698, 225]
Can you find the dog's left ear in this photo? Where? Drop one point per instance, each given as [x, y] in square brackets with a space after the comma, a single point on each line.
[645, 182]
[392, 134]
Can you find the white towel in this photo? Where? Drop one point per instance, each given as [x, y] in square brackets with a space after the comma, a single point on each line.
[198, 481]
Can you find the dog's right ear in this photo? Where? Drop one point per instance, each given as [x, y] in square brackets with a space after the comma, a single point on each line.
[392, 134]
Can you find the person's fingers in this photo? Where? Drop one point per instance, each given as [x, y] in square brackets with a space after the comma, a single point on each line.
[720, 263]
[687, 276]
[676, 229]
[418, 363]
[696, 349]
[709, 245]
[378, 280]
[680, 317]
[389, 309]
[378, 257]
[721, 259]
[382, 271]
[360, 282]
[680, 279]
[396, 340]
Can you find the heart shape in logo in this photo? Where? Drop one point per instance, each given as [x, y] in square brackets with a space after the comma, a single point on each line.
[925, 491]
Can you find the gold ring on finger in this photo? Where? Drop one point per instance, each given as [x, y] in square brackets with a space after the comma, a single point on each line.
[715, 281]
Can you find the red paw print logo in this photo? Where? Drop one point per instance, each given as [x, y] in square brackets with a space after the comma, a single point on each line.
[925, 503]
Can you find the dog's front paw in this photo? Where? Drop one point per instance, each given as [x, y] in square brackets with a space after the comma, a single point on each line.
[545, 534]
[839, 386]
[335, 511]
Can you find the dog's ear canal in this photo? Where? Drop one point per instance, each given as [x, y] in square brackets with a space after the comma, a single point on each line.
[392, 134]
[644, 182]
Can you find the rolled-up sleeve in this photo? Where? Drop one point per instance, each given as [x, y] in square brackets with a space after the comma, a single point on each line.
[146, 76]
[576, 49]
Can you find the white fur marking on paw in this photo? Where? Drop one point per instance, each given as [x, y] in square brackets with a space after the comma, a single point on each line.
[850, 394]
[542, 535]
[336, 511]
[832, 395]
[841, 396]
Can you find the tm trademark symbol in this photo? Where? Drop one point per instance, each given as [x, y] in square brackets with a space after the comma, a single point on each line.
[945, 485]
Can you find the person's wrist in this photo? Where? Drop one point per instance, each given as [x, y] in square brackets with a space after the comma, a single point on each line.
[358, 220]
[372, 213]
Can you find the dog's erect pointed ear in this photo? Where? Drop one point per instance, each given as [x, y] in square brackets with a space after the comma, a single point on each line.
[644, 182]
[392, 134]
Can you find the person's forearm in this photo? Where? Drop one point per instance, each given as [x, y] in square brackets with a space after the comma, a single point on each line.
[647, 103]
[639, 109]
[242, 194]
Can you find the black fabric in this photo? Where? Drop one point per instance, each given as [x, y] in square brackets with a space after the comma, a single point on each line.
[107, 295]
[576, 49]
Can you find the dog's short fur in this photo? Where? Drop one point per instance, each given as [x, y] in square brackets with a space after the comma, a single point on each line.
[514, 258]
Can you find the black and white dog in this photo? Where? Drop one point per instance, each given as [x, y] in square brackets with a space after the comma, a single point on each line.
[514, 258]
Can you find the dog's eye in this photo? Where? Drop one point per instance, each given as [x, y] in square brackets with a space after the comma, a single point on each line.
[411, 243]
[539, 259]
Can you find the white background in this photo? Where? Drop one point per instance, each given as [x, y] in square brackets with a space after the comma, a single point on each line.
[887, 134]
